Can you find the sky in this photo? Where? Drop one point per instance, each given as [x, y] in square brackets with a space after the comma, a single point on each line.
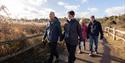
[31, 9]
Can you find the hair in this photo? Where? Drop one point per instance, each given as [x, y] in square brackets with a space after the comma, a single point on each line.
[81, 20]
[71, 12]
[52, 12]
[93, 16]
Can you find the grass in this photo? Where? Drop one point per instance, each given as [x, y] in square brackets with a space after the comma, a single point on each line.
[10, 31]
[119, 22]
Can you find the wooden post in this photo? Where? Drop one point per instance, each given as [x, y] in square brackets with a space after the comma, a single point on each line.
[108, 30]
[114, 37]
[105, 29]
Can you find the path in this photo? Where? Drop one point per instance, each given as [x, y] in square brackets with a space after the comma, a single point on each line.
[38, 55]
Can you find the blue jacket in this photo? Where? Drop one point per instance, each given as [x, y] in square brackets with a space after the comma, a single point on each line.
[72, 32]
[53, 31]
[94, 29]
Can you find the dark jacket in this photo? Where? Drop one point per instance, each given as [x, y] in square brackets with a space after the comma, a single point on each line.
[94, 29]
[53, 31]
[72, 32]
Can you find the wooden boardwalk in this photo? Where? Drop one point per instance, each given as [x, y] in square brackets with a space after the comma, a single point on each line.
[106, 55]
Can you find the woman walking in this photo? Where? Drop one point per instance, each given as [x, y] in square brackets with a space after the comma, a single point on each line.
[84, 35]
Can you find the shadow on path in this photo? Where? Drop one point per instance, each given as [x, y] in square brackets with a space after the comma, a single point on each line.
[106, 56]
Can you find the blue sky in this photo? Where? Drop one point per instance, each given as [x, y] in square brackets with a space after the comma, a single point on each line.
[83, 8]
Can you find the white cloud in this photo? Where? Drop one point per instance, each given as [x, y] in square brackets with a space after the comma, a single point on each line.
[115, 10]
[42, 13]
[83, 1]
[93, 9]
[61, 3]
[26, 8]
[68, 6]
[72, 7]
[88, 13]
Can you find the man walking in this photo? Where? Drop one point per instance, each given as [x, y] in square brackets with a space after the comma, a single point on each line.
[72, 30]
[94, 28]
[53, 32]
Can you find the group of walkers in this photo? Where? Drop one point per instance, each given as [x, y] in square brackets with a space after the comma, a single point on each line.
[75, 33]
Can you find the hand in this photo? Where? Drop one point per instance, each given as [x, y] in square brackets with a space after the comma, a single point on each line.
[43, 39]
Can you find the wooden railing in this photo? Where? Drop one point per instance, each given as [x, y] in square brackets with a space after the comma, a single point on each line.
[116, 34]
[22, 50]
[19, 39]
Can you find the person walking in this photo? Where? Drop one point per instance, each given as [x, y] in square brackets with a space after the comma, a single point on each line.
[72, 30]
[53, 32]
[94, 28]
[84, 35]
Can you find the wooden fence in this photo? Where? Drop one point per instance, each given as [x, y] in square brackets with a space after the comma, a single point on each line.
[116, 34]
[22, 50]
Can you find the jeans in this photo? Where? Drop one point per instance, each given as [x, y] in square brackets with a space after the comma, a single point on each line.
[93, 39]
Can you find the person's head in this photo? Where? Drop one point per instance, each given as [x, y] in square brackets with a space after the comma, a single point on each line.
[51, 15]
[82, 21]
[92, 18]
[71, 14]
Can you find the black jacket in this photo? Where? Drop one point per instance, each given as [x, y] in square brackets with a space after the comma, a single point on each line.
[94, 29]
[72, 32]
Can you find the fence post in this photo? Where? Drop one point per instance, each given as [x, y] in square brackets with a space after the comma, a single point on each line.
[108, 31]
[114, 33]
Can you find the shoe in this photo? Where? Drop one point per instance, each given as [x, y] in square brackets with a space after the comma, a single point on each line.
[90, 54]
[96, 52]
